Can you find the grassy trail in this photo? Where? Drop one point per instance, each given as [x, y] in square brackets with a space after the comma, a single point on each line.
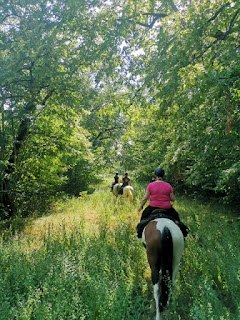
[83, 261]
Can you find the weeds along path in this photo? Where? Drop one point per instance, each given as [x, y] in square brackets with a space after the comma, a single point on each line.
[84, 261]
[88, 213]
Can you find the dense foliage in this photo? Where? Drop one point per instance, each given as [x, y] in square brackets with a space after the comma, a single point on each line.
[190, 80]
[99, 85]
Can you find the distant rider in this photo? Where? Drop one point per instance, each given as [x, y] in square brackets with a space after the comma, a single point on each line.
[116, 180]
[126, 181]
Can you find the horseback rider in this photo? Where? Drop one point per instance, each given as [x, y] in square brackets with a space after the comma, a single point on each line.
[161, 195]
[126, 181]
[116, 180]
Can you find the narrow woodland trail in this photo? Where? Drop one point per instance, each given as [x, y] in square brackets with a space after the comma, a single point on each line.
[88, 247]
[89, 210]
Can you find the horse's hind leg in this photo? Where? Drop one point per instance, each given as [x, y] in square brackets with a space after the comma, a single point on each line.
[156, 287]
[178, 250]
[153, 249]
[156, 292]
[154, 263]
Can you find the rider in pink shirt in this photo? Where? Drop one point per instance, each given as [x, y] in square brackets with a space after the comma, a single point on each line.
[161, 195]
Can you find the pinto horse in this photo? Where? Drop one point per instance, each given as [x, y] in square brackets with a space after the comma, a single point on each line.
[164, 244]
[127, 191]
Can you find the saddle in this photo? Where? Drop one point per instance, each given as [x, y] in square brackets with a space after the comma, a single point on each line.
[158, 214]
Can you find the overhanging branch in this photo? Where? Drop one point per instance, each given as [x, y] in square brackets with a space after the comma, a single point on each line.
[219, 11]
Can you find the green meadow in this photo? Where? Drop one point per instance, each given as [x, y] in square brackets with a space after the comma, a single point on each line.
[84, 261]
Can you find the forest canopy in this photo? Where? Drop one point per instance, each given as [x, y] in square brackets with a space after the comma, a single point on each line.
[89, 86]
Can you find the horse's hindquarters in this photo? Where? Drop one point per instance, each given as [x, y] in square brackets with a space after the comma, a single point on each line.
[177, 240]
[128, 192]
[164, 246]
[116, 187]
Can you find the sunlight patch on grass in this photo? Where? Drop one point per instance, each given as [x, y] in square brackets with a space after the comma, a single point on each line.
[90, 210]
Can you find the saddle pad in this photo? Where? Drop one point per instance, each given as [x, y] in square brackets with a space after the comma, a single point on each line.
[157, 214]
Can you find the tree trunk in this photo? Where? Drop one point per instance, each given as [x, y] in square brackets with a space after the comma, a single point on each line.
[23, 130]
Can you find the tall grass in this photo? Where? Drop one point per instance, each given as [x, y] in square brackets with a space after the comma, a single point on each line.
[84, 261]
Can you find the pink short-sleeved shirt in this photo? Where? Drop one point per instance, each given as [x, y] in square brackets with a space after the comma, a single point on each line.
[160, 194]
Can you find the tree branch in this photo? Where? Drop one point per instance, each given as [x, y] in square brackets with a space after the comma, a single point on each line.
[173, 6]
[219, 35]
[155, 15]
[219, 11]
[100, 135]
[232, 21]
[4, 18]
[48, 95]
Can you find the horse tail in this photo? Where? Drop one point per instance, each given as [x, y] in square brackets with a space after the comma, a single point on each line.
[130, 196]
[128, 192]
[166, 266]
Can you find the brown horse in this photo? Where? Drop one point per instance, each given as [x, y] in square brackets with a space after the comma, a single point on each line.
[164, 244]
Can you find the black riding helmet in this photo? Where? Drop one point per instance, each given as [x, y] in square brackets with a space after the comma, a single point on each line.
[159, 172]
